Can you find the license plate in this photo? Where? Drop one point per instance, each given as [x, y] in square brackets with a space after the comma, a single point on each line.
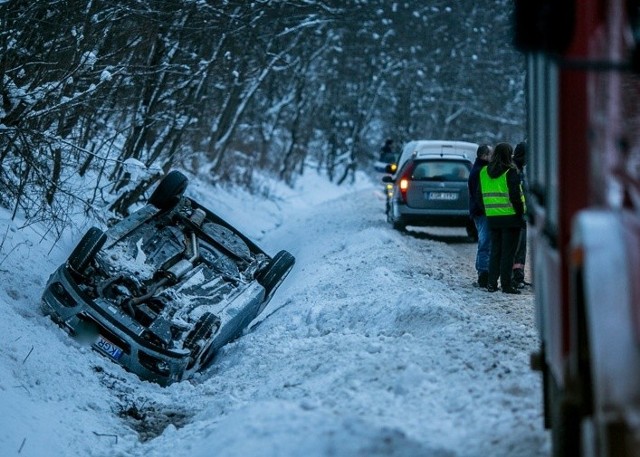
[108, 347]
[443, 196]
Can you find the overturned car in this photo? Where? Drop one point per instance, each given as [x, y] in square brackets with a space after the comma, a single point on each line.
[166, 287]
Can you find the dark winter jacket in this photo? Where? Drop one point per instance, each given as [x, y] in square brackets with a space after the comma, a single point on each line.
[513, 183]
[474, 184]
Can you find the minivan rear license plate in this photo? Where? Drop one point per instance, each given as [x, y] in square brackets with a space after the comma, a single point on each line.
[108, 347]
[443, 195]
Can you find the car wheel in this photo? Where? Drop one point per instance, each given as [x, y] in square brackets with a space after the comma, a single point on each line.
[565, 423]
[87, 248]
[273, 274]
[169, 190]
[398, 225]
[207, 325]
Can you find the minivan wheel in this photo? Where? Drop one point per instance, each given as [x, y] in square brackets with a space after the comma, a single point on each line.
[398, 225]
[87, 248]
[169, 190]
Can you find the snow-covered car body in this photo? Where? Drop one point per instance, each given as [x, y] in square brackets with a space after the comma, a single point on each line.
[166, 287]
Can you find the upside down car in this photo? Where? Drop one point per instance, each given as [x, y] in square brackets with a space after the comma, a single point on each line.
[165, 288]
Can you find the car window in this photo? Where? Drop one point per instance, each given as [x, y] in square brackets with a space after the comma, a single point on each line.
[441, 170]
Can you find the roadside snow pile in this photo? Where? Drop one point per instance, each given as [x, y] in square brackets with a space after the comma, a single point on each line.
[376, 344]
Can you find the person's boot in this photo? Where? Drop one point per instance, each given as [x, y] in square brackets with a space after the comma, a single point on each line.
[510, 290]
[517, 278]
[483, 279]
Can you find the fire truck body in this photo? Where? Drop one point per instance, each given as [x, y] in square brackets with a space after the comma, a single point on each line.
[583, 125]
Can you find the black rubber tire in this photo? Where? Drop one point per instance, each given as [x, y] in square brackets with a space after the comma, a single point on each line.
[169, 190]
[273, 274]
[399, 226]
[207, 325]
[87, 248]
[565, 423]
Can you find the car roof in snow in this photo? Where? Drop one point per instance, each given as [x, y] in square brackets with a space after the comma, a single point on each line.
[442, 148]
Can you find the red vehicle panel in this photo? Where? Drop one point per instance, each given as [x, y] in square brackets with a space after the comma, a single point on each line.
[583, 123]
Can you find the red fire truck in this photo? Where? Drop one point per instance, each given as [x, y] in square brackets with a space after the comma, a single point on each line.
[583, 128]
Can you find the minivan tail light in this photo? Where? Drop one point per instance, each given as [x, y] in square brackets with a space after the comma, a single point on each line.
[403, 182]
[404, 185]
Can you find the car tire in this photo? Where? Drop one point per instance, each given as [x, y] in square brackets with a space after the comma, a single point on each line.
[398, 225]
[87, 248]
[274, 273]
[565, 423]
[206, 326]
[169, 190]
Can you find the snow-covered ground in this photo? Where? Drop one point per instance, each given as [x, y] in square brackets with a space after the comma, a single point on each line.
[376, 344]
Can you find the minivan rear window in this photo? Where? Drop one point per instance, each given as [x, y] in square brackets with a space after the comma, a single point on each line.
[441, 170]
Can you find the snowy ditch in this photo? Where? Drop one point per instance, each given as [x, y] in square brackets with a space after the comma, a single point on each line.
[376, 344]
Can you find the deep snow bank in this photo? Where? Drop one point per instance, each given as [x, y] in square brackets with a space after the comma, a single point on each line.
[376, 344]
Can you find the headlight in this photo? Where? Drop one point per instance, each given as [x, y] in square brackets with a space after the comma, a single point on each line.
[163, 367]
[61, 294]
[153, 363]
[389, 189]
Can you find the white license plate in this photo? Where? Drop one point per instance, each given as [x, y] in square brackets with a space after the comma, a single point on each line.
[108, 347]
[443, 195]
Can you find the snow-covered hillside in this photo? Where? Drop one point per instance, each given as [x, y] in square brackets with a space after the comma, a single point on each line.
[377, 344]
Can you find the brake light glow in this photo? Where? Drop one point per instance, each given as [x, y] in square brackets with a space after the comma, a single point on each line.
[403, 185]
[403, 182]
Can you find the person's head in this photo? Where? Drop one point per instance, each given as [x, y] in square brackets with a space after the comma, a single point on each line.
[502, 155]
[388, 142]
[520, 155]
[484, 152]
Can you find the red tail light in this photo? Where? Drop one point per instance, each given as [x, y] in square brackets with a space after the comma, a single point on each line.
[403, 181]
[403, 185]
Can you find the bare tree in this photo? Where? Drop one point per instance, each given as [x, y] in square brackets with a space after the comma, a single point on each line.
[231, 88]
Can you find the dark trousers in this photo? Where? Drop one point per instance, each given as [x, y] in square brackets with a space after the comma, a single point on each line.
[504, 242]
[520, 257]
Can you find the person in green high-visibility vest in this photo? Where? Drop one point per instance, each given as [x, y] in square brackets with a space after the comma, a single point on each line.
[503, 202]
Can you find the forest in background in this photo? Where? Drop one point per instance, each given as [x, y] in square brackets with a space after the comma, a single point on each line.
[118, 92]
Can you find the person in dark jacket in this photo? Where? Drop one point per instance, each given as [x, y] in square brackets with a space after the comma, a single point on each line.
[476, 212]
[520, 160]
[387, 150]
[503, 202]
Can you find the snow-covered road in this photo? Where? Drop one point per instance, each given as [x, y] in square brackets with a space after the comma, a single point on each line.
[377, 344]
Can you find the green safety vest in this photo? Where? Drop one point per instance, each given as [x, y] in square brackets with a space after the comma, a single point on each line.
[495, 194]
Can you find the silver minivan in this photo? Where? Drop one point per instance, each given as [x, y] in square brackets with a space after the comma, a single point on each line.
[430, 185]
